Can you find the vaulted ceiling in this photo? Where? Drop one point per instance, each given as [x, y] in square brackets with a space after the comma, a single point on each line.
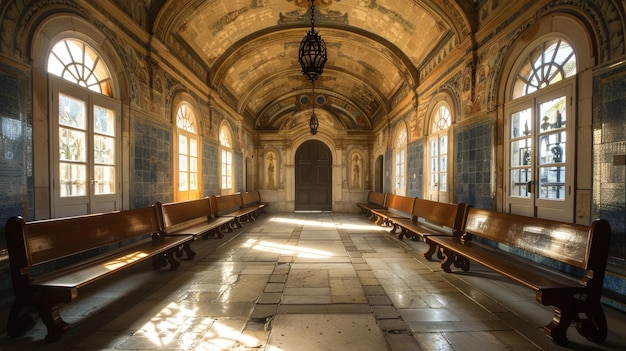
[376, 49]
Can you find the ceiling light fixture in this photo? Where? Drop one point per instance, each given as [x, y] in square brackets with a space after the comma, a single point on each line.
[312, 57]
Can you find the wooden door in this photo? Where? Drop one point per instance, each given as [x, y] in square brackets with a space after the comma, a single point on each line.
[313, 186]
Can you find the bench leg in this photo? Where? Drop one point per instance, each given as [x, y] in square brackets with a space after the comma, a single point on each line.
[403, 233]
[21, 317]
[451, 258]
[393, 229]
[594, 327]
[188, 251]
[432, 248]
[378, 220]
[556, 330]
[164, 259]
[567, 310]
[50, 316]
[236, 223]
[214, 232]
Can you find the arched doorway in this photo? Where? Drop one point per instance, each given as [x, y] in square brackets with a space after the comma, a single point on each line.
[313, 177]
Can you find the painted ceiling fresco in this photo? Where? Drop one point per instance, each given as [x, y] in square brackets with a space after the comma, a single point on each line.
[375, 51]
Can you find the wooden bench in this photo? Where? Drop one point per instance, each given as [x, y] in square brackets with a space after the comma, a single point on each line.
[579, 249]
[51, 259]
[432, 218]
[193, 217]
[232, 206]
[375, 200]
[253, 199]
[396, 207]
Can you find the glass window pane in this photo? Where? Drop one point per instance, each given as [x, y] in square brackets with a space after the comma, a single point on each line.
[434, 181]
[193, 181]
[519, 182]
[72, 145]
[104, 150]
[183, 163]
[193, 147]
[183, 148]
[193, 164]
[443, 142]
[521, 124]
[104, 180]
[552, 114]
[182, 181]
[72, 112]
[443, 181]
[552, 183]
[552, 148]
[73, 179]
[521, 153]
[104, 121]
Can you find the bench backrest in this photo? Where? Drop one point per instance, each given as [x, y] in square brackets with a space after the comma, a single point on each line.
[250, 198]
[400, 203]
[376, 198]
[440, 214]
[577, 245]
[179, 213]
[226, 203]
[47, 240]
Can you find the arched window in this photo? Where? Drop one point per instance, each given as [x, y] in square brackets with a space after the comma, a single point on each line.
[539, 132]
[400, 160]
[226, 160]
[188, 154]
[438, 153]
[76, 62]
[86, 132]
[549, 63]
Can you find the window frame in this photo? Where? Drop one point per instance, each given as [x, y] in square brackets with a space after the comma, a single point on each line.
[400, 160]
[76, 88]
[523, 98]
[226, 160]
[190, 131]
[439, 130]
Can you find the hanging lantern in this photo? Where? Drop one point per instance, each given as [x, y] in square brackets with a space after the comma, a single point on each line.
[314, 123]
[312, 54]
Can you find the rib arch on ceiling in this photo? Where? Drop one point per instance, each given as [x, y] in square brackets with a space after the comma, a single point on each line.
[375, 47]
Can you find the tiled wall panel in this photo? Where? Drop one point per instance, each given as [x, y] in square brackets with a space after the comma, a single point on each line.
[473, 145]
[415, 169]
[152, 169]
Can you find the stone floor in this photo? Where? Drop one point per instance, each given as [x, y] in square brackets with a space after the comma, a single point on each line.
[313, 281]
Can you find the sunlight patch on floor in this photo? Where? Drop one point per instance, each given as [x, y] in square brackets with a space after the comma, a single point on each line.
[267, 246]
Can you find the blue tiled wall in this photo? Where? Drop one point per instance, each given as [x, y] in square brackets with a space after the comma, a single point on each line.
[210, 167]
[238, 165]
[152, 171]
[473, 146]
[415, 166]
[609, 181]
[16, 159]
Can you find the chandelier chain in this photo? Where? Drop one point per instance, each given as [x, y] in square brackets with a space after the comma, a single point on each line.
[312, 15]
